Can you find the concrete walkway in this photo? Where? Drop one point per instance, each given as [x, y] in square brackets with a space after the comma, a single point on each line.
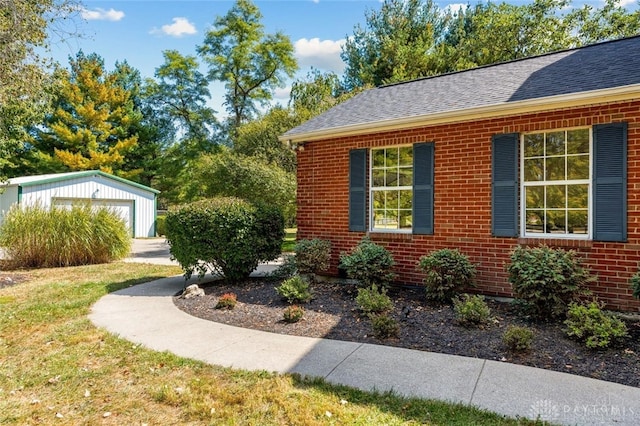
[145, 314]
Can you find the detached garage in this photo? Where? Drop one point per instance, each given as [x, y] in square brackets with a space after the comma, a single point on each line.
[135, 203]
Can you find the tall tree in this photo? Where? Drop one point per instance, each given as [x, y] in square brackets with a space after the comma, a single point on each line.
[612, 21]
[90, 127]
[249, 62]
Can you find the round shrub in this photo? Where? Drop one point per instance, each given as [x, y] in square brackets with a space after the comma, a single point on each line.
[517, 338]
[36, 237]
[312, 256]
[472, 310]
[596, 328]
[226, 236]
[547, 279]
[448, 272]
[384, 326]
[295, 290]
[293, 313]
[227, 301]
[369, 263]
[373, 301]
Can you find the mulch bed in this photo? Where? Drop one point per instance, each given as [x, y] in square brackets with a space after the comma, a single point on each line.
[426, 326]
[8, 279]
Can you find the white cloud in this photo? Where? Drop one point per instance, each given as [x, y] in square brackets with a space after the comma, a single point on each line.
[455, 7]
[99, 14]
[321, 54]
[625, 3]
[180, 27]
[282, 93]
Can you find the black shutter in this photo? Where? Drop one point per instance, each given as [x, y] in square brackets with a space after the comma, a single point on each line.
[610, 182]
[423, 158]
[504, 185]
[357, 190]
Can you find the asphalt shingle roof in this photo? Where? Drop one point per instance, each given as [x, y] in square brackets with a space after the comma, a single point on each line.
[599, 66]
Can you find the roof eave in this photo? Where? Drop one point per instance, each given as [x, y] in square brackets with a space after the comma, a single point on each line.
[616, 94]
[83, 174]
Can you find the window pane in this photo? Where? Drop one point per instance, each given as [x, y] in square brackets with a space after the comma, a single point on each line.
[391, 217]
[578, 223]
[578, 167]
[406, 156]
[392, 200]
[535, 197]
[555, 168]
[534, 145]
[378, 200]
[578, 141]
[379, 219]
[406, 177]
[556, 221]
[378, 178]
[391, 177]
[533, 170]
[378, 157]
[555, 144]
[578, 196]
[556, 197]
[535, 221]
[406, 219]
[392, 157]
[406, 199]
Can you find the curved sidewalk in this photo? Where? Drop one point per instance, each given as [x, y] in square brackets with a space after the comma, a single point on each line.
[145, 314]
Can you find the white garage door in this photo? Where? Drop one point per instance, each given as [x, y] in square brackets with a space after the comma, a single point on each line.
[123, 208]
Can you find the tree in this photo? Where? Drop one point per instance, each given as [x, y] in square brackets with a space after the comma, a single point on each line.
[250, 63]
[610, 22]
[317, 93]
[90, 127]
[396, 44]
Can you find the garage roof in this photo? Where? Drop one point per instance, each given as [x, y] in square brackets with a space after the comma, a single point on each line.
[57, 177]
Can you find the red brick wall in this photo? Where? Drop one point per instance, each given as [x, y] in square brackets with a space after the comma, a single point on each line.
[462, 215]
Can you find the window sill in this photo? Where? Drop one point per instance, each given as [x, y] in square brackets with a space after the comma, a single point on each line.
[390, 236]
[555, 242]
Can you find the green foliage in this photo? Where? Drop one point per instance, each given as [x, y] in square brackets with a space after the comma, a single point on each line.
[547, 279]
[35, 237]
[227, 301]
[596, 328]
[312, 256]
[371, 300]
[472, 310]
[226, 236]
[369, 263]
[230, 175]
[447, 273]
[517, 338]
[635, 285]
[295, 290]
[384, 326]
[293, 313]
[285, 270]
[161, 227]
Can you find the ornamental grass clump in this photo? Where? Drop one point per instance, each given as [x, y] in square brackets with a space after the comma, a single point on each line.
[226, 236]
[368, 263]
[39, 237]
[547, 280]
[591, 325]
[448, 272]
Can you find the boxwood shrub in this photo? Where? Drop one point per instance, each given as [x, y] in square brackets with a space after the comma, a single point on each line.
[226, 236]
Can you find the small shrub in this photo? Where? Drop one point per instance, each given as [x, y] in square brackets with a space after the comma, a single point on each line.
[518, 338]
[596, 328]
[472, 310]
[369, 263]
[293, 313]
[635, 285]
[312, 256]
[547, 279]
[448, 273]
[373, 301]
[295, 290]
[227, 236]
[384, 326]
[227, 301]
[39, 237]
[161, 228]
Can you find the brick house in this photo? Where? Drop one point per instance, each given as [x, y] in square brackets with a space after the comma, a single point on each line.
[543, 150]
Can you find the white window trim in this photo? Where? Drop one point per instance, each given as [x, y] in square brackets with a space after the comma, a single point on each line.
[523, 215]
[372, 228]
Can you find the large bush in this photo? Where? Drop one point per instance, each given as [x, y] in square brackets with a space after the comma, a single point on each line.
[448, 272]
[547, 279]
[369, 263]
[312, 256]
[226, 236]
[37, 237]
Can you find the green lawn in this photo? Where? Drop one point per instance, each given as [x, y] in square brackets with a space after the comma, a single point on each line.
[289, 241]
[57, 368]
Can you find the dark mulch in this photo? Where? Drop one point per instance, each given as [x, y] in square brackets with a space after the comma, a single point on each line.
[333, 314]
[8, 279]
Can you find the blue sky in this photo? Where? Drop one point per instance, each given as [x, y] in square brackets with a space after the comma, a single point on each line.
[138, 31]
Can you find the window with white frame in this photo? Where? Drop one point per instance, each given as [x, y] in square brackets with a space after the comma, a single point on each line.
[391, 188]
[556, 183]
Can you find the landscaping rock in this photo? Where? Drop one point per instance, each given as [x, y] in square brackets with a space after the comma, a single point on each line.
[192, 291]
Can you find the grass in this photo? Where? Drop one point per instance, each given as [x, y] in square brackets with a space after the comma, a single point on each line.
[57, 368]
[289, 241]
